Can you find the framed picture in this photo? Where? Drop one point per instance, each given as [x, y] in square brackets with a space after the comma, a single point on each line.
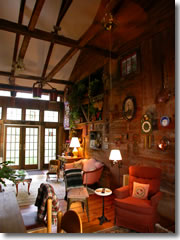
[129, 107]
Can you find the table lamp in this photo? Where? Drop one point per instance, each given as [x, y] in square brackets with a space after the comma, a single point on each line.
[115, 157]
[74, 144]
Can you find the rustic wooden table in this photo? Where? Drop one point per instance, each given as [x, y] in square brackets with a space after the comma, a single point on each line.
[10, 216]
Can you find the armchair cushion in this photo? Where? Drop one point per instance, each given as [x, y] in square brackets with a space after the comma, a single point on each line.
[122, 192]
[135, 205]
[53, 168]
[140, 190]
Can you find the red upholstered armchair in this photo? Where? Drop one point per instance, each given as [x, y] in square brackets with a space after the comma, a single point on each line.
[130, 210]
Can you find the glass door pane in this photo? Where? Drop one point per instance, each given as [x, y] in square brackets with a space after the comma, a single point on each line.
[31, 146]
[13, 145]
[49, 145]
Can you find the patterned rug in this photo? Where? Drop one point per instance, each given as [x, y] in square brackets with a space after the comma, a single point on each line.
[24, 198]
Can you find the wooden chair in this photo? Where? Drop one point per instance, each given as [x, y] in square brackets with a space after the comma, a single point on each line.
[31, 221]
[54, 169]
[70, 222]
[75, 190]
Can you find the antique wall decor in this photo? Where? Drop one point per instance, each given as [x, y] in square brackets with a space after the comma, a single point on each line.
[164, 121]
[164, 143]
[129, 107]
[146, 127]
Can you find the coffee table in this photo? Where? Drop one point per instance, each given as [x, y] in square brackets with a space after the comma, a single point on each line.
[103, 192]
[22, 177]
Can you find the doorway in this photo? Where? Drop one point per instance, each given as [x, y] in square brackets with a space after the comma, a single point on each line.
[21, 146]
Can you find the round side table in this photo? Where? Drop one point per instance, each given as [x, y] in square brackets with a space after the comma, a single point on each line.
[103, 192]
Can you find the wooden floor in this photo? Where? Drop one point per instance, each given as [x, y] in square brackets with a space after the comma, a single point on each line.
[95, 211]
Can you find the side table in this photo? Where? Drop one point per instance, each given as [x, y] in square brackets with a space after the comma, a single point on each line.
[103, 192]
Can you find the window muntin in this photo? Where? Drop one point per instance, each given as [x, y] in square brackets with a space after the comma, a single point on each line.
[50, 116]
[32, 115]
[50, 145]
[14, 114]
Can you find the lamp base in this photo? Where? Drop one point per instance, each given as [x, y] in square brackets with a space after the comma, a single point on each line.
[75, 153]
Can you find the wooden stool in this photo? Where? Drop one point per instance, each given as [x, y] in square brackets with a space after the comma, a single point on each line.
[78, 195]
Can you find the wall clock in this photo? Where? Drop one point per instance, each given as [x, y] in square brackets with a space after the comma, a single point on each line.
[129, 107]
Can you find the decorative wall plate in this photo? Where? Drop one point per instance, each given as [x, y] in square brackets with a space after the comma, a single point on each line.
[129, 107]
[164, 121]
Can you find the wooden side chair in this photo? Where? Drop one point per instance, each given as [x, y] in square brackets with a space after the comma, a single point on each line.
[31, 221]
[54, 169]
[70, 222]
[75, 190]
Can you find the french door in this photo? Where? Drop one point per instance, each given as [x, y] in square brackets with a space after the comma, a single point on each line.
[21, 146]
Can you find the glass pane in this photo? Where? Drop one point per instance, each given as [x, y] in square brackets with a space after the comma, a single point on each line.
[14, 114]
[50, 116]
[31, 151]
[50, 144]
[32, 115]
[12, 145]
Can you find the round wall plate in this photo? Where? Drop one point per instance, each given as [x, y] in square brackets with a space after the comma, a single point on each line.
[164, 121]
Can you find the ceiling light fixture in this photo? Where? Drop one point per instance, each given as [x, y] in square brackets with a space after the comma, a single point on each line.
[37, 91]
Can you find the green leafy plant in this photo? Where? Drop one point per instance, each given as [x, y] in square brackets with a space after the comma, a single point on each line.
[6, 172]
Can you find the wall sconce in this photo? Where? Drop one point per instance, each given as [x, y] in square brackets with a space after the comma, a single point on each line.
[115, 157]
[164, 143]
[74, 144]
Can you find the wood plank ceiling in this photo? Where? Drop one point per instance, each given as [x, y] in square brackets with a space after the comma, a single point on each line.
[61, 41]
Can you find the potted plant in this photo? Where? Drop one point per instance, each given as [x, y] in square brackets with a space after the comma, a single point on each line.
[6, 173]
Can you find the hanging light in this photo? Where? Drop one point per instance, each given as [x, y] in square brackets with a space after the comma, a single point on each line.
[37, 90]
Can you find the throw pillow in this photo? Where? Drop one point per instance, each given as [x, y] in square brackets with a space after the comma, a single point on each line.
[140, 190]
[53, 168]
[77, 164]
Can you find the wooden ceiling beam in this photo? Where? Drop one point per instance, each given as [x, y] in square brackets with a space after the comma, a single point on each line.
[34, 17]
[46, 36]
[16, 44]
[64, 7]
[35, 78]
[94, 30]
[25, 89]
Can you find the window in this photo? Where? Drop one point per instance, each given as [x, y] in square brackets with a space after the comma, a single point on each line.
[14, 113]
[50, 145]
[32, 115]
[5, 93]
[0, 112]
[129, 64]
[66, 116]
[50, 116]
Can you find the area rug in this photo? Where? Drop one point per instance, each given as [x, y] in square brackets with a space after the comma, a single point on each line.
[23, 198]
[116, 229]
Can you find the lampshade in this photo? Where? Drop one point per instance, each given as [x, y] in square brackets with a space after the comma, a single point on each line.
[115, 155]
[74, 142]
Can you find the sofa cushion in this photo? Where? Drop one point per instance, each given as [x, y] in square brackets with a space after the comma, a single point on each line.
[134, 204]
[140, 190]
[89, 165]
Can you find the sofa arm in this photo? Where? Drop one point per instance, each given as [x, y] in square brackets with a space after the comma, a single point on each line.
[156, 198]
[121, 192]
[68, 166]
[91, 177]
